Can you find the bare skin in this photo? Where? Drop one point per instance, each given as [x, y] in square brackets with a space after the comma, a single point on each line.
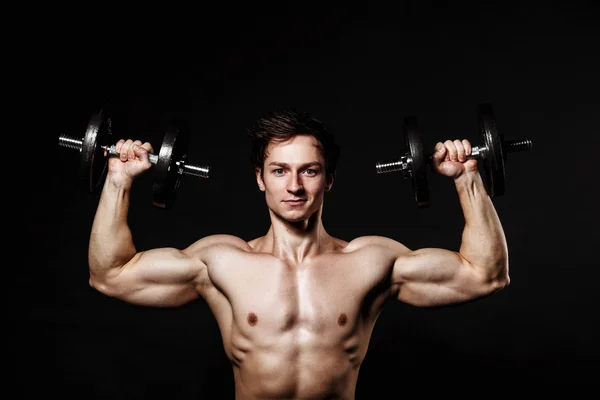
[296, 307]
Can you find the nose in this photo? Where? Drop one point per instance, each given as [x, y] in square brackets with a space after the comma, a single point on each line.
[295, 183]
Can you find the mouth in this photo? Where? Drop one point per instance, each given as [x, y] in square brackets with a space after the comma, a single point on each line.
[296, 202]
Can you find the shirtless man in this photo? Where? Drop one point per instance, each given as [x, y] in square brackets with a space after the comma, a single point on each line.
[296, 307]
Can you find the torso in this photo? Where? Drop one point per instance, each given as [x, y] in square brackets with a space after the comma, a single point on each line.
[297, 330]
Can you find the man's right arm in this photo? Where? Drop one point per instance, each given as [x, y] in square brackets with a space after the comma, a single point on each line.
[165, 277]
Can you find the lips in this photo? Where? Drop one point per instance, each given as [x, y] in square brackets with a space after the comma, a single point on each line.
[295, 202]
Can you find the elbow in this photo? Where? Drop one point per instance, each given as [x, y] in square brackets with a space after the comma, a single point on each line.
[95, 283]
[501, 279]
[99, 285]
[102, 285]
[492, 278]
[501, 283]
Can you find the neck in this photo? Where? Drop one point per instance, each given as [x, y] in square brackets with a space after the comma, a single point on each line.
[296, 241]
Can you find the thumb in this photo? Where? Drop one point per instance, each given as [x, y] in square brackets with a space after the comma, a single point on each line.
[439, 155]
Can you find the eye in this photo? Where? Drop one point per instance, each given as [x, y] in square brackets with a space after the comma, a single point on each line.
[311, 171]
[278, 171]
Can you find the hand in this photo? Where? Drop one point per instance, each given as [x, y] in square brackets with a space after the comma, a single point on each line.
[132, 160]
[450, 158]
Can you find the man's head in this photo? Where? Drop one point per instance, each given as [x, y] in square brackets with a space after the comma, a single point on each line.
[282, 125]
[294, 157]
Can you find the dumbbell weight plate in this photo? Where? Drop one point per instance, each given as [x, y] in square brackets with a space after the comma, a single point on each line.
[493, 160]
[420, 185]
[93, 163]
[169, 165]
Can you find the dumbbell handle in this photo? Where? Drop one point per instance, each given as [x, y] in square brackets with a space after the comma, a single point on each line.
[112, 152]
[187, 169]
[477, 152]
[510, 146]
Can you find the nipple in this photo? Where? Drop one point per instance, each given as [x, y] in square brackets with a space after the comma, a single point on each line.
[252, 319]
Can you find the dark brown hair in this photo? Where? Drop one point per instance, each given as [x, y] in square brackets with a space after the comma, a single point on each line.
[281, 125]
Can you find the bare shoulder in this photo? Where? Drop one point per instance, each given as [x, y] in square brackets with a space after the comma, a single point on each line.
[377, 243]
[373, 258]
[218, 242]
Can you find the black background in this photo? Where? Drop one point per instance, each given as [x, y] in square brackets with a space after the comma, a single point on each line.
[360, 68]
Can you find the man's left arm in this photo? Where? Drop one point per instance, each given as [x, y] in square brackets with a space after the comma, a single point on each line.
[483, 241]
[431, 277]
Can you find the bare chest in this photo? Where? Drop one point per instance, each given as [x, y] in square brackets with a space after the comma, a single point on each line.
[318, 297]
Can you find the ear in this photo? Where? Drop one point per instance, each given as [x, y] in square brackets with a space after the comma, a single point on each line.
[259, 180]
[330, 179]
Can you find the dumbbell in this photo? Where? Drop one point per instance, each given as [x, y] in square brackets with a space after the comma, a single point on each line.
[169, 164]
[492, 151]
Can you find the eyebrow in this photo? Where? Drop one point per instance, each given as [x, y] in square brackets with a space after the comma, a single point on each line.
[310, 164]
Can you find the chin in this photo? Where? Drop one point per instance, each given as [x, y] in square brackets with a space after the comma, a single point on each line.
[295, 217]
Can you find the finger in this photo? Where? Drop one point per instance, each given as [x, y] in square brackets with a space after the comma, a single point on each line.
[119, 145]
[138, 151]
[439, 153]
[131, 151]
[141, 150]
[468, 147]
[460, 150]
[451, 148]
[148, 147]
[125, 149]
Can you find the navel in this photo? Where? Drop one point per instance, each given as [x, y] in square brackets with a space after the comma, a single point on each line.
[252, 319]
[343, 319]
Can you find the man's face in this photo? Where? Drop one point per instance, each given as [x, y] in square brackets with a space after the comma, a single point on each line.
[294, 179]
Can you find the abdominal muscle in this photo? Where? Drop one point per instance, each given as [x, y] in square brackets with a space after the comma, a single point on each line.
[295, 364]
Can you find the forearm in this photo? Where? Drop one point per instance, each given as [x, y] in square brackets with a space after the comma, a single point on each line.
[483, 240]
[111, 242]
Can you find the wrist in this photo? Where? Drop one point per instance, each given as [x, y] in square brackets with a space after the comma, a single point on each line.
[468, 179]
[118, 183]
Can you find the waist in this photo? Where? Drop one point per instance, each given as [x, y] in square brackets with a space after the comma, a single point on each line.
[296, 372]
